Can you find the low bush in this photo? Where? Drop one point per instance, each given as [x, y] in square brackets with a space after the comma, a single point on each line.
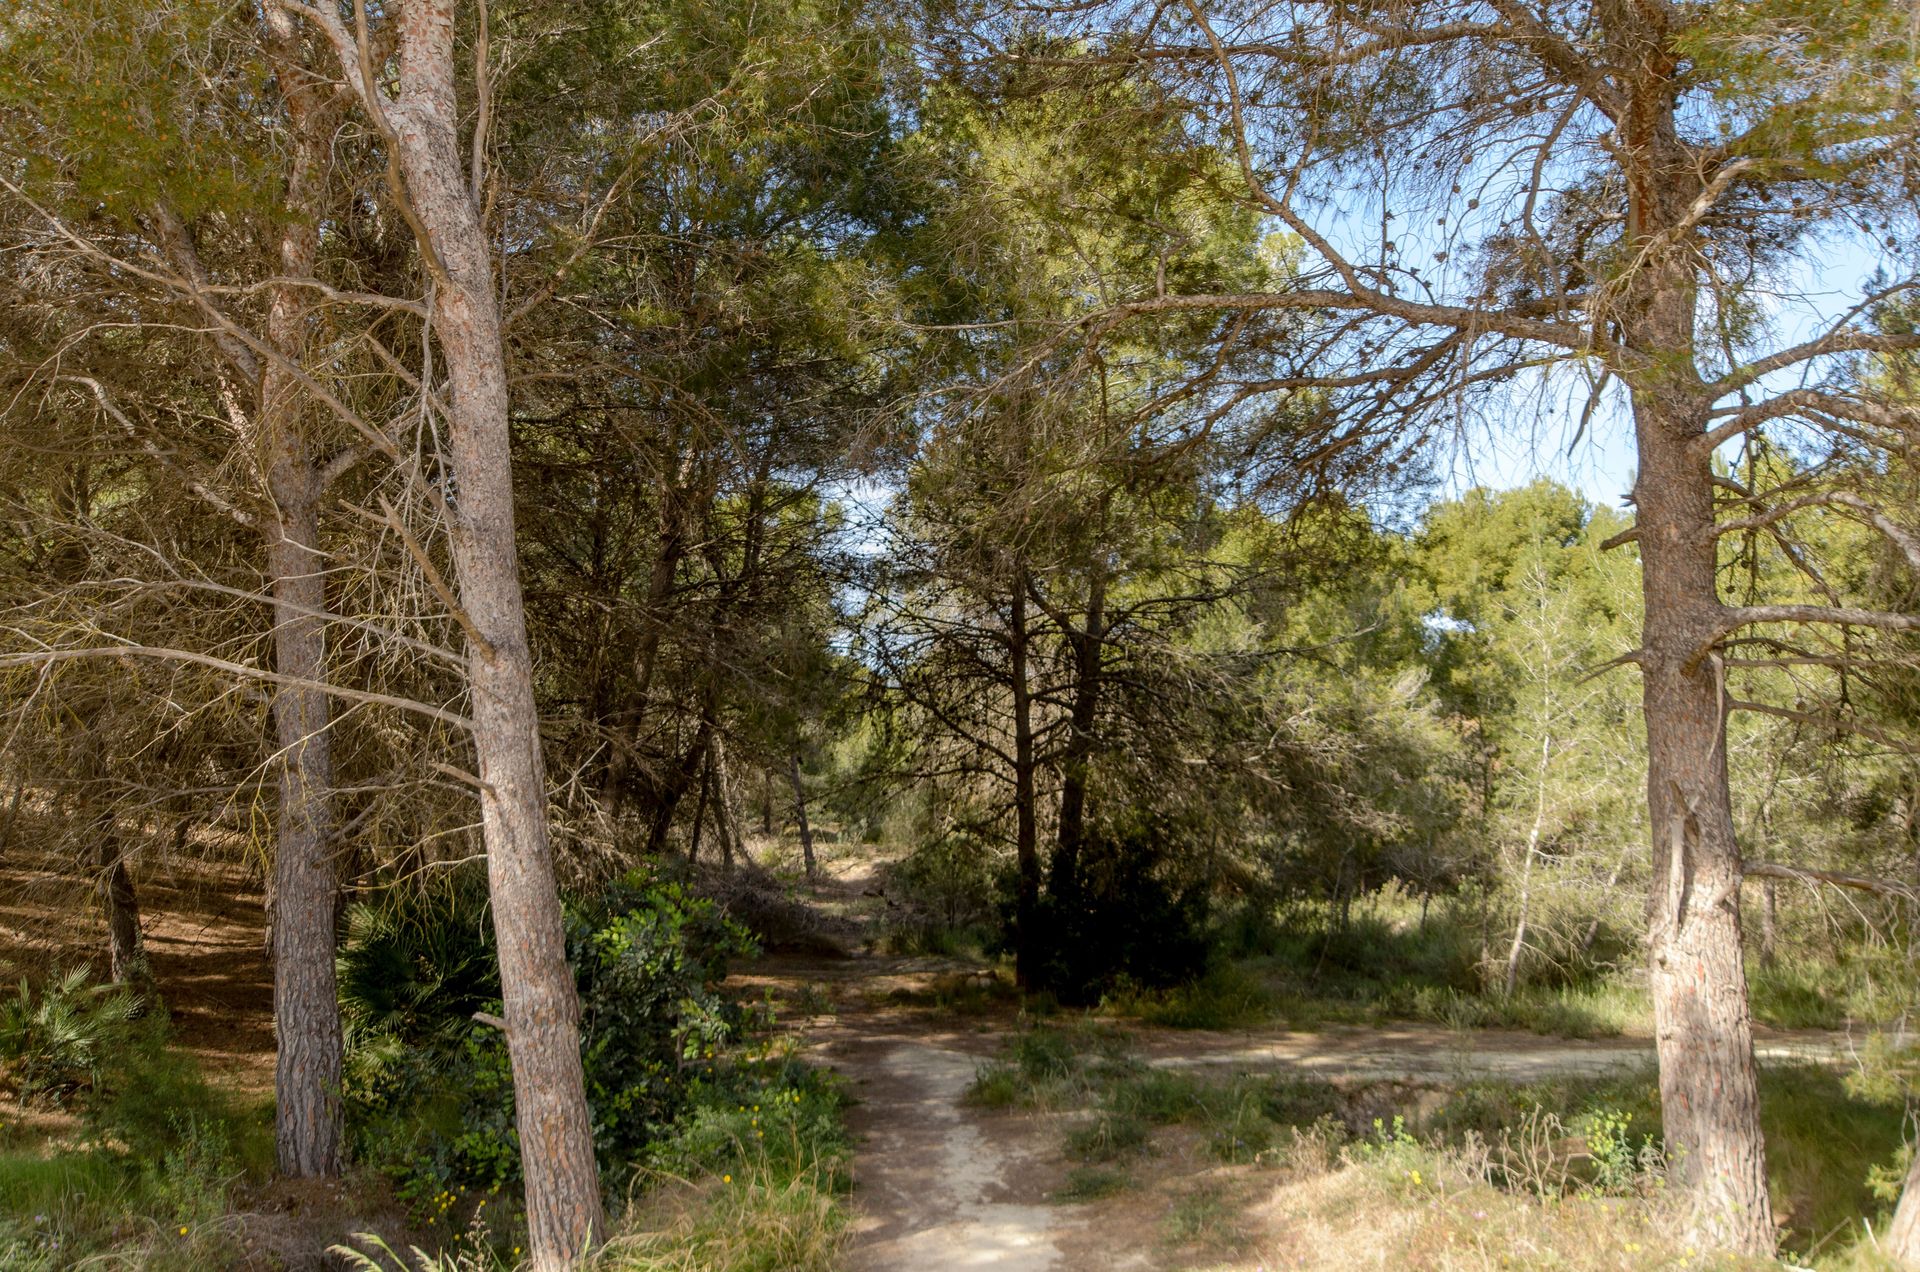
[750, 1176]
[430, 1090]
[149, 1185]
[1122, 920]
[55, 1037]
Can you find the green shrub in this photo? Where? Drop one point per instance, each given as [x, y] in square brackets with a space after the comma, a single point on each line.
[152, 1188]
[1228, 996]
[53, 1040]
[997, 1086]
[1122, 919]
[1092, 1183]
[1158, 1096]
[430, 1091]
[1042, 1054]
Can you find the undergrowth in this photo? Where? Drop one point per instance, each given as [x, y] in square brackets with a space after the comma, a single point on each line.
[1586, 1148]
[141, 1172]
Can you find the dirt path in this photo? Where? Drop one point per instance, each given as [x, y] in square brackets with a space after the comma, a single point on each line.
[942, 1187]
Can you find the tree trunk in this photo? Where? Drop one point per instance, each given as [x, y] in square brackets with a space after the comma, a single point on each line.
[700, 813]
[1026, 918]
[564, 1211]
[1526, 870]
[800, 812]
[1086, 646]
[308, 1124]
[1901, 1242]
[766, 803]
[724, 819]
[1709, 1089]
[126, 962]
[1769, 921]
[308, 1119]
[126, 957]
[13, 808]
[668, 792]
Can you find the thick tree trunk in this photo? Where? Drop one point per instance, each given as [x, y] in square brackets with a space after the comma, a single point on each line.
[563, 1204]
[308, 1120]
[308, 1124]
[1709, 1089]
[1026, 916]
[800, 812]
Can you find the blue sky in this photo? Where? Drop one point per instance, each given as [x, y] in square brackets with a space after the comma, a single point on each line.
[1533, 436]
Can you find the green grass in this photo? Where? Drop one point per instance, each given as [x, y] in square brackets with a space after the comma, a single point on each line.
[1383, 965]
[765, 1215]
[1202, 1216]
[1823, 1140]
[147, 1183]
[1092, 1183]
[1590, 1135]
[1108, 1136]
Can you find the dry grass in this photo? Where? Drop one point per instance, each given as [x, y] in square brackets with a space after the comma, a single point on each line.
[758, 1218]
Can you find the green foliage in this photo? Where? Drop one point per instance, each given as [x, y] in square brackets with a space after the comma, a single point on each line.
[1126, 919]
[430, 1091]
[113, 103]
[54, 1039]
[1092, 1183]
[1109, 1135]
[1618, 1157]
[647, 955]
[416, 965]
[946, 888]
[152, 1185]
[748, 1178]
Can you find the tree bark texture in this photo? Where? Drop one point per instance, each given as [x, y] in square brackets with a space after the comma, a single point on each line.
[126, 956]
[699, 813]
[308, 1120]
[1901, 1243]
[1086, 648]
[724, 818]
[564, 1209]
[1704, 1033]
[1709, 1089]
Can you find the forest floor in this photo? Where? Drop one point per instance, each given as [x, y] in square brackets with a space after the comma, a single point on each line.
[942, 1184]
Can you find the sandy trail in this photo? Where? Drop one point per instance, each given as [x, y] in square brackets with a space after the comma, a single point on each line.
[942, 1187]
[1418, 1053]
